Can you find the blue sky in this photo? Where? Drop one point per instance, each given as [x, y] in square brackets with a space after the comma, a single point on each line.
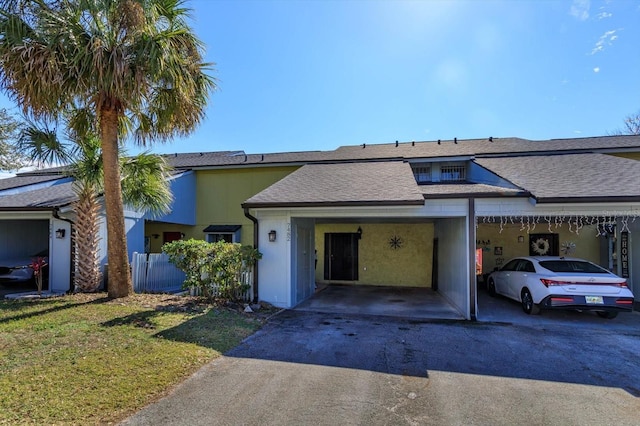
[315, 75]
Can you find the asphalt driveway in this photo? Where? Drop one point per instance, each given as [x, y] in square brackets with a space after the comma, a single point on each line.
[318, 368]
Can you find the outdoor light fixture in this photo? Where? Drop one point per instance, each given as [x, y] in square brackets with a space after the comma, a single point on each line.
[272, 236]
[520, 239]
[60, 233]
[359, 232]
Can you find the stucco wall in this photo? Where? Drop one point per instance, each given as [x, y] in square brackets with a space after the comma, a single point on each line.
[379, 264]
[587, 244]
[274, 269]
[453, 260]
[219, 195]
[182, 208]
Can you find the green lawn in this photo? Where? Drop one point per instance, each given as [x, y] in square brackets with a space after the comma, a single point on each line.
[85, 359]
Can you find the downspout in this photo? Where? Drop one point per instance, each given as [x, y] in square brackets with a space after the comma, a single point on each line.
[71, 269]
[472, 259]
[255, 246]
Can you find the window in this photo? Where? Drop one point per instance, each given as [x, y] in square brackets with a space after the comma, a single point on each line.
[453, 173]
[228, 233]
[214, 238]
[511, 266]
[572, 266]
[422, 174]
[526, 266]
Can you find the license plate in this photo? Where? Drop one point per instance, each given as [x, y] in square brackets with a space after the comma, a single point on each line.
[594, 300]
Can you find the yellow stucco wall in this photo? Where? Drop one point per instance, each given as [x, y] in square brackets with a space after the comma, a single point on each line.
[408, 266]
[587, 245]
[219, 195]
[631, 155]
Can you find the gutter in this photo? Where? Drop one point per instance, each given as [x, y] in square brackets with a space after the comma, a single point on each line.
[255, 246]
[56, 214]
[285, 204]
[582, 200]
[28, 209]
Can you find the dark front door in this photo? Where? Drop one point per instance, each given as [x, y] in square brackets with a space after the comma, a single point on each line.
[341, 256]
[167, 237]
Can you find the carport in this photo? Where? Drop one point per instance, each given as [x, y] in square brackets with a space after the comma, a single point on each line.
[33, 222]
[20, 241]
[385, 233]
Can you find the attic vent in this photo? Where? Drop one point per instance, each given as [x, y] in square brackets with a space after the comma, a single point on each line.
[422, 174]
[453, 173]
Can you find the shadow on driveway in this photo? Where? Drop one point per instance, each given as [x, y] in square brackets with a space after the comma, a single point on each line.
[554, 352]
[326, 369]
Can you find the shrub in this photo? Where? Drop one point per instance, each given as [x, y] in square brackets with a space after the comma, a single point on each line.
[214, 268]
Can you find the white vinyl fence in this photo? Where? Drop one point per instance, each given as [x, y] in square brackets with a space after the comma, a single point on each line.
[246, 279]
[153, 273]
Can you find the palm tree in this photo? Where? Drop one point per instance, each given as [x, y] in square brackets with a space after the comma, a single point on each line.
[136, 64]
[10, 159]
[144, 186]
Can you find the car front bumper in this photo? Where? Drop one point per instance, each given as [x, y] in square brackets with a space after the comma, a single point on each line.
[604, 303]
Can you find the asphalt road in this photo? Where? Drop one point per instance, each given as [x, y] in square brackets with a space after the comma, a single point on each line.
[327, 369]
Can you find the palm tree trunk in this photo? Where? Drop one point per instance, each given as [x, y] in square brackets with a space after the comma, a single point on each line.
[86, 235]
[119, 274]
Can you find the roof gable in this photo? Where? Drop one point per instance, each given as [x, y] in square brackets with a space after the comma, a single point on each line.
[377, 183]
[570, 177]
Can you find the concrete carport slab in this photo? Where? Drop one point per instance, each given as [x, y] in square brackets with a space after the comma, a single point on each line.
[402, 302]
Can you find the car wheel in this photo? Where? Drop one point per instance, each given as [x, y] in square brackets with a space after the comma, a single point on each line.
[528, 306]
[491, 288]
[607, 314]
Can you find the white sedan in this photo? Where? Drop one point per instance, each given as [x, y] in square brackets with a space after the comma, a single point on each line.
[551, 282]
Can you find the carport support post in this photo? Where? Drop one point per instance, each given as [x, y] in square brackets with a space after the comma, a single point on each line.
[472, 259]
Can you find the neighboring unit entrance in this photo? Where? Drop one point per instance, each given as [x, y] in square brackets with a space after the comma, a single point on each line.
[168, 237]
[341, 256]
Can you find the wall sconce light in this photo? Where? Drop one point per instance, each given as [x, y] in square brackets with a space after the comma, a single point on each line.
[272, 236]
[155, 236]
[359, 231]
[60, 232]
[520, 238]
[182, 235]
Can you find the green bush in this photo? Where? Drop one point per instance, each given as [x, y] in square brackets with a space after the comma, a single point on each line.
[215, 268]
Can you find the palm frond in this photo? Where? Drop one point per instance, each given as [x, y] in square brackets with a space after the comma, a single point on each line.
[41, 144]
[145, 183]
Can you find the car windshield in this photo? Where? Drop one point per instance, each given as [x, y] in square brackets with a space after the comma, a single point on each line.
[572, 266]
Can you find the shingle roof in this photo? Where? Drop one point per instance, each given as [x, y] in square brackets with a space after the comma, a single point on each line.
[50, 197]
[343, 177]
[239, 158]
[463, 190]
[406, 150]
[379, 183]
[21, 180]
[571, 177]
[484, 147]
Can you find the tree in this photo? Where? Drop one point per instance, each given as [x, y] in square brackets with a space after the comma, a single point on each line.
[145, 186]
[10, 159]
[631, 126]
[136, 64]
